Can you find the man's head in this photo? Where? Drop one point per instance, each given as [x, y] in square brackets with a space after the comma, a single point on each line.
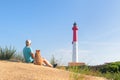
[28, 42]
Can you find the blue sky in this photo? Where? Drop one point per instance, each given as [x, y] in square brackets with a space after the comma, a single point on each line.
[48, 23]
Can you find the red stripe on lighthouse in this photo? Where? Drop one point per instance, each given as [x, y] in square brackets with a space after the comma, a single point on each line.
[75, 28]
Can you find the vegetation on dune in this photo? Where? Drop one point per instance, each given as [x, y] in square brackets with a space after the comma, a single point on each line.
[110, 70]
[53, 60]
[6, 53]
[18, 57]
[113, 67]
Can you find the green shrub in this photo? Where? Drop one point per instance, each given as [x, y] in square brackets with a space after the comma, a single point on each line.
[112, 76]
[111, 67]
[110, 71]
[6, 53]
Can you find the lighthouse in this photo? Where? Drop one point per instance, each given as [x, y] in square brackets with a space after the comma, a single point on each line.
[75, 61]
[75, 43]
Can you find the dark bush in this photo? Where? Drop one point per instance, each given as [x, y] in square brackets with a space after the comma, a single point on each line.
[111, 67]
[6, 53]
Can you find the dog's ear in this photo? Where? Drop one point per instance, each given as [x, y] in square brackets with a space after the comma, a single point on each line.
[38, 50]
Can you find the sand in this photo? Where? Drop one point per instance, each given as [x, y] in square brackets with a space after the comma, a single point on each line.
[27, 71]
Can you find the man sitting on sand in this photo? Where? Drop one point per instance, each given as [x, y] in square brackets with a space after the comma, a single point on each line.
[29, 56]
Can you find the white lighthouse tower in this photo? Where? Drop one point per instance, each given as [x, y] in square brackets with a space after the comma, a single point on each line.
[75, 43]
[75, 61]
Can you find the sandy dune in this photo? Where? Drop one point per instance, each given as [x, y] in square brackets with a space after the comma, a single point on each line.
[23, 71]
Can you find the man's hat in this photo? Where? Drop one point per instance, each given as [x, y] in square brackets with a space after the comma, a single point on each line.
[29, 41]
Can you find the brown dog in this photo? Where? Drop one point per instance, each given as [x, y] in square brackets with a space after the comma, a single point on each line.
[38, 59]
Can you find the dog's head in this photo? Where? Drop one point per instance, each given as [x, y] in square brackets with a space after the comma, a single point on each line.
[37, 53]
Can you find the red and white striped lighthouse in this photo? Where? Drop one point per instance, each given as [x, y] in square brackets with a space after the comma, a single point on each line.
[75, 43]
[75, 61]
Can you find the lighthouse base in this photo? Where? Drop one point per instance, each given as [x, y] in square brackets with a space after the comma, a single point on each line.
[76, 64]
